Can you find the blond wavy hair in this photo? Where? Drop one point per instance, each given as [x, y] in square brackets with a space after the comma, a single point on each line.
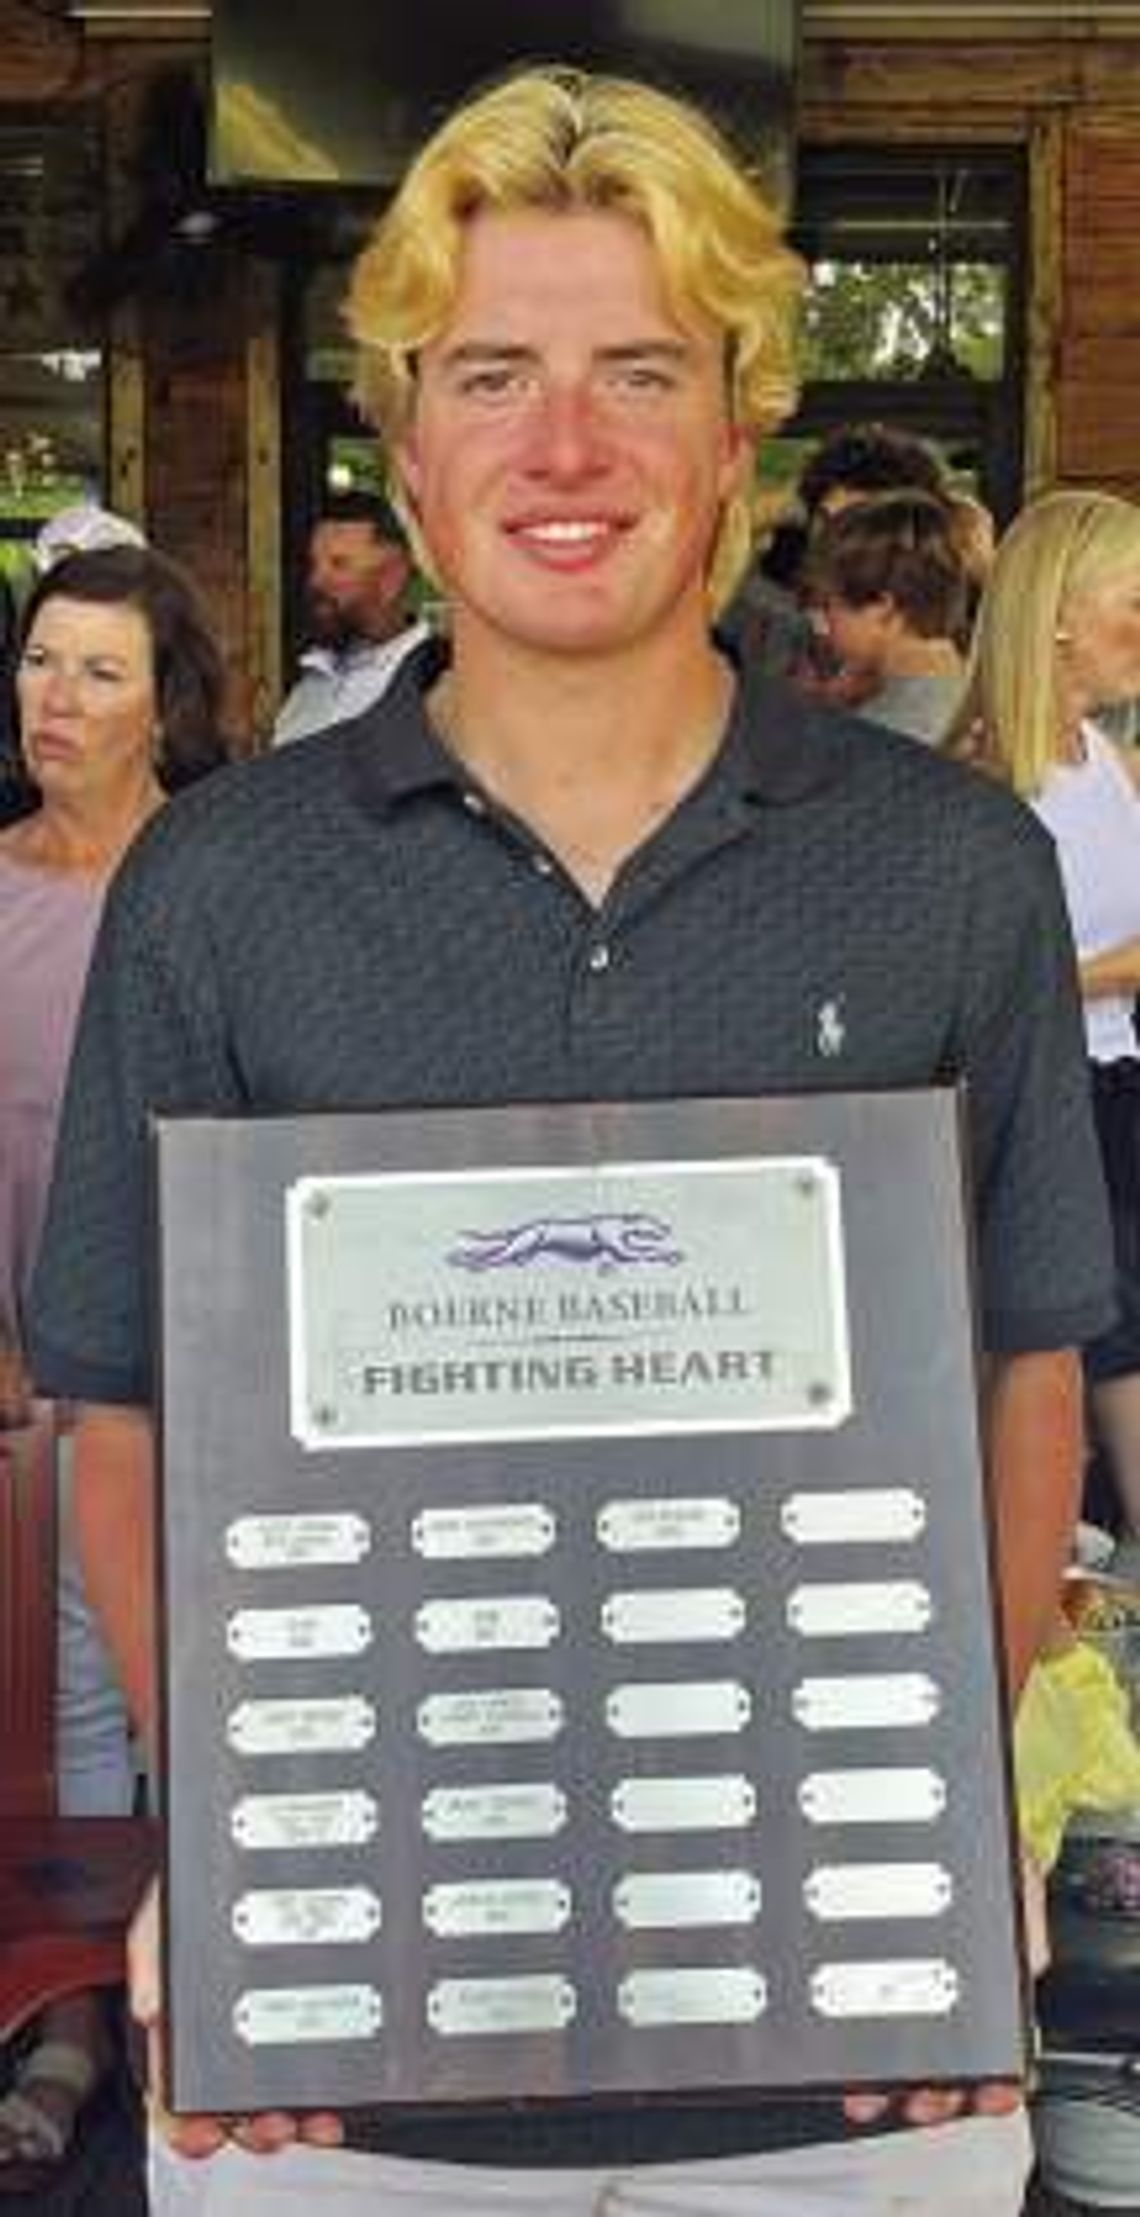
[1010, 720]
[561, 140]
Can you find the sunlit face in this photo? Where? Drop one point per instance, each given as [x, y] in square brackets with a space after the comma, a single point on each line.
[1100, 646]
[571, 450]
[87, 701]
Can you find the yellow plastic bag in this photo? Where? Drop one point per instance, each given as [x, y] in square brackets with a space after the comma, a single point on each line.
[1073, 1747]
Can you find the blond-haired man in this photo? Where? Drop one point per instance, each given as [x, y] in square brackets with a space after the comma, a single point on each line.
[585, 857]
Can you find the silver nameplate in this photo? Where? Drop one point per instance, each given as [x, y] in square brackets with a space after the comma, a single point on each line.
[304, 1820]
[711, 1803]
[508, 1812]
[486, 1621]
[872, 1797]
[605, 1299]
[673, 1613]
[670, 1901]
[837, 1612]
[678, 1709]
[837, 1893]
[497, 1717]
[297, 1542]
[866, 1703]
[281, 1635]
[301, 1727]
[639, 1527]
[872, 1514]
[485, 1908]
[505, 1528]
[306, 1916]
[726, 1996]
[539, 2003]
[298, 2016]
[896, 1989]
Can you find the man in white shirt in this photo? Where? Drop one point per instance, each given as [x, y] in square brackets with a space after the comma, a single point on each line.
[357, 597]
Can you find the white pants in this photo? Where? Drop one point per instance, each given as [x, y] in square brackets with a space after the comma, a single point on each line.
[94, 1766]
[976, 2168]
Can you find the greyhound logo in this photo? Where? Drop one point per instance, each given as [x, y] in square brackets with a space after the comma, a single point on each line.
[613, 1242]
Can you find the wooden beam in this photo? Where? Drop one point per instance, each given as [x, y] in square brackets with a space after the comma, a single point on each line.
[1046, 301]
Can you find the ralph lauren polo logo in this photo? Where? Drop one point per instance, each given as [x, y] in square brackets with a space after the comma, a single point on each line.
[830, 1029]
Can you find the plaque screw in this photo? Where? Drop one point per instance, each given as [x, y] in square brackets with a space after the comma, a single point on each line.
[318, 1206]
[805, 1185]
[325, 1416]
[819, 1394]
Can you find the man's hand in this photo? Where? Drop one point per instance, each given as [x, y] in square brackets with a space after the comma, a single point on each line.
[16, 1408]
[195, 2137]
[935, 2105]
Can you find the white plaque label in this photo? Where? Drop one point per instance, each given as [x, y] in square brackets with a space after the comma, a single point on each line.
[497, 1717]
[728, 1996]
[640, 1526]
[901, 1989]
[296, 1542]
[486, 1621]
[678, 1709]
[484, 1529]
[872, 1797]
[487, 1908]
[673, 1613]
[278, 1635]
[489, 2005]
[304, 1820]
[509, 1812]
[877, 1514]
[301, 1727]
[669, 1900]
[835, 1612]
[707, 1804]
[605, 1299]
[306, 1916]
[290, 2016]
[865, 1703]
[839, 1892]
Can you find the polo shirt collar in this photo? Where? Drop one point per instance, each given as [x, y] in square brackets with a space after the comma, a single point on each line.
[779, 748]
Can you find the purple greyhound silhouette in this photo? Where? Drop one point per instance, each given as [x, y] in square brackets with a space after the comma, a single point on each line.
[614, 1241]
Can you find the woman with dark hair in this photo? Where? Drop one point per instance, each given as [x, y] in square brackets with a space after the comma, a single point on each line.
[119, 694]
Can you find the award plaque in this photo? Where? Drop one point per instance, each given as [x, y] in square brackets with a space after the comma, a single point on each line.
[580, 1674]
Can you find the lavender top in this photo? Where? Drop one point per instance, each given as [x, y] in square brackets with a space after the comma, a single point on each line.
[48, 921]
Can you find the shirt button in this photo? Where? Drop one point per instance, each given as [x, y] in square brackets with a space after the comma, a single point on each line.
[475, 804]
[543, 865]
[600, 957]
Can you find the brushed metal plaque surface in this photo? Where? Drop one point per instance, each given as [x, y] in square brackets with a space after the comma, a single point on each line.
[486, 1621]
[497, 1717]
[841, 1611]
[304, 1820]
[670, 1524]
[870, 1515]
[305, 1916]
[647, 1901]
[673, 1613]
[297, 1541]
[710, 1803]
[678, 1708]
[303, 2016]
[280, 1635]
[731, 1995]
[490, 1907]
[539, 2003]
[866, 1702]
[839, 1892]
[531, 1810]
[302, 1727]
[904, 1796]
[897, 1988]
[483, 1529]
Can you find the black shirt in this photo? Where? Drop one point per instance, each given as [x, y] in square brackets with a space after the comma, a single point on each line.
[350, 923]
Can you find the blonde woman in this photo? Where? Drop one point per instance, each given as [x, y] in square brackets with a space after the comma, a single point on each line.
[1057, 640]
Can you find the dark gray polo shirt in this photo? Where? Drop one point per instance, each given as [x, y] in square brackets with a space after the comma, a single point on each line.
[349, 923]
